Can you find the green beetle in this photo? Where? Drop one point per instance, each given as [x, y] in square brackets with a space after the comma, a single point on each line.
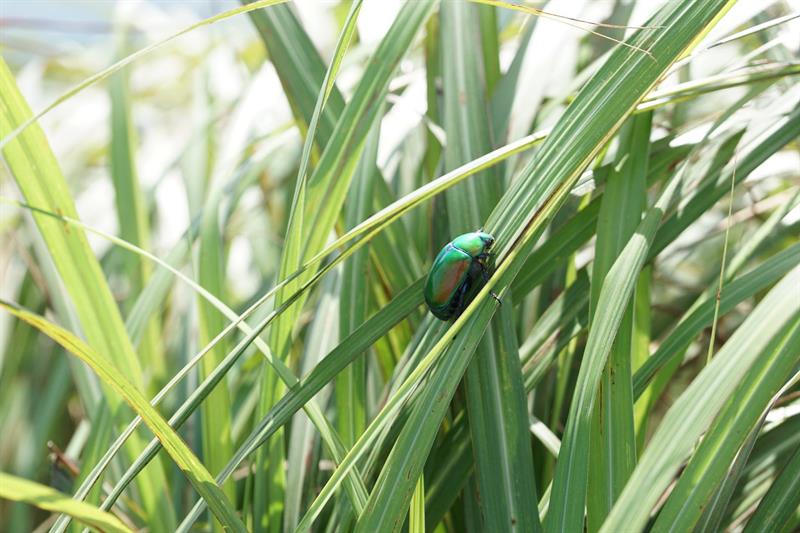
[459, 271]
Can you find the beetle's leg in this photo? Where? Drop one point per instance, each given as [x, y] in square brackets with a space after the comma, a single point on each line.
[486, 279]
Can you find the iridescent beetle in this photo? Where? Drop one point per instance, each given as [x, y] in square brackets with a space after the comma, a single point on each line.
[458, 273]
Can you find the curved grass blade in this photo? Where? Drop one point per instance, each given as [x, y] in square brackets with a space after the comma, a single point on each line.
[131, 210]
[351, 384]
[570, 482]
[39, 178]
[347, 350]
[709, 464]
[613, 452]
[697, 407]
[693, 323]
[177, 449]
[692, 89]
[778, 507]
[22, 490]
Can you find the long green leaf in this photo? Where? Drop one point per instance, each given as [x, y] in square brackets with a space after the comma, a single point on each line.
[329, 367]
[22, 490]
[134, 226]
[191, 466]
[41, 182]
[778, 507]
[351, 385]
[709, 464]
[696, 408]
[495, 396]
[569, 493]
[613, 451]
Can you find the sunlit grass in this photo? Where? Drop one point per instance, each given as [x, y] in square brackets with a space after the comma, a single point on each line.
[235, 220]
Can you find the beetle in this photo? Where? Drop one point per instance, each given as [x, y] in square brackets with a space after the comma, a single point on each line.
[459, 271]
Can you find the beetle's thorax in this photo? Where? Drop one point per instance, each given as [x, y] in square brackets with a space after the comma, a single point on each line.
[474, 243]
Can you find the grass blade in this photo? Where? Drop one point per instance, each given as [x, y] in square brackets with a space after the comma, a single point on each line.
[351, 384]
[709, 464]
[134, 226]
[613, 452]
[778, 507]
[41, 182]
[495, 395]
[180, 453]
[568, 496]
[21, 490]
[694, 411]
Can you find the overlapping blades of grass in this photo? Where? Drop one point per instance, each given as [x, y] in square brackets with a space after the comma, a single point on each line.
[571, 479]
[699, 405]
[778, 508]
[316, 206]
[302, 74]
[47, 498]
[134, 225]
[351, 384]
[496, 408]
[583, 130]
[113, 378]
[745, 286]
[41, 182]
[219, 372]
[269, 476]
[709, 464]
[298, 395]
[613, 451]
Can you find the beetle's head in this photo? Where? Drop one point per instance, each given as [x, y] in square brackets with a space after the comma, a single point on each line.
[487, 239]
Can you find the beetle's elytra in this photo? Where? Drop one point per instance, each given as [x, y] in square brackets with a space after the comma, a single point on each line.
[459, 271]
